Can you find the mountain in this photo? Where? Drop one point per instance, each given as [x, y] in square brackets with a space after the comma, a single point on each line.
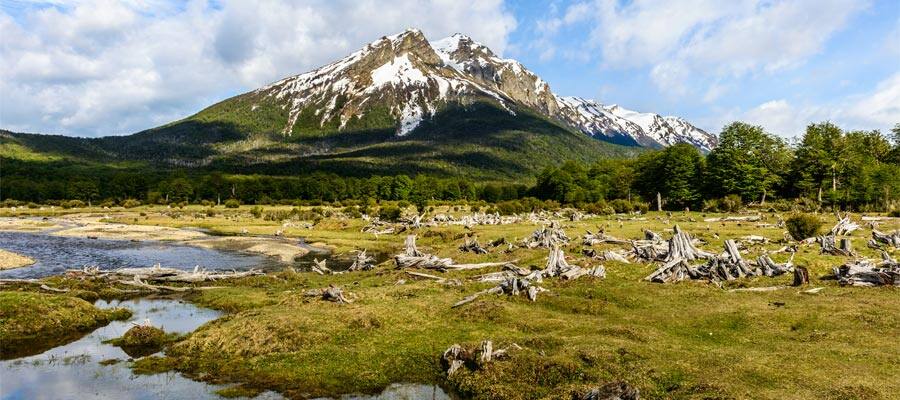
[399, 104]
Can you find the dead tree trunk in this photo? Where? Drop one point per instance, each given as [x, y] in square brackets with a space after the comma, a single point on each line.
[801, 276]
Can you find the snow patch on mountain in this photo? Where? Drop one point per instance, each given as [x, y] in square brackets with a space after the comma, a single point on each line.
[415, 78]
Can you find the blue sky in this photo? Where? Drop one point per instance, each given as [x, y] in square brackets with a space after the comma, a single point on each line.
[92, 68]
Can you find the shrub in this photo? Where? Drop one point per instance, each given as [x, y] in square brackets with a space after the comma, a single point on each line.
[403, 204]
[73, 204]
[641, 206]
[599, 208]
[802, 226]
[232, 203]
[256, 211]
[389, 213]
[894, 213]
[130, 203]
[210, 212]
[32, 205]
[621, 205]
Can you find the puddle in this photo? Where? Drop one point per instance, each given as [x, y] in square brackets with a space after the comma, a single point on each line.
[54, 255]
[73, 371]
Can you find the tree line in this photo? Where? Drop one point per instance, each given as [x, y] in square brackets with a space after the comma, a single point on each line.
[827, 167]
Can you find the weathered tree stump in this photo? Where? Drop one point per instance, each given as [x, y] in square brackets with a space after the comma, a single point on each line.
[801, 276]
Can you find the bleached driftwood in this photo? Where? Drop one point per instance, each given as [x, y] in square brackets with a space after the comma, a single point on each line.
[456, 356]
[843, 248]
[732, 218]
[844, 226]
[547, 236]
[607, 255]
[869, 273]
[320, 268]
[512, 286]
[362, 262]
[471, 245]
[681, 246]
[438, 279]
[591, 239]
[890, 239]
[159, 273]
[413, 258]
[331, 293]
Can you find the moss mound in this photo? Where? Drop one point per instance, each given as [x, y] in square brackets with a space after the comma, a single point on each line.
[33, 322]
[143, 340]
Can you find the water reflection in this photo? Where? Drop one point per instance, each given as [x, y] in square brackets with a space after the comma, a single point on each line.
[55, 254]
[73, 371]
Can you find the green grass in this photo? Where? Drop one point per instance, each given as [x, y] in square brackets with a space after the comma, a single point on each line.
[33, 322]
[690, 340]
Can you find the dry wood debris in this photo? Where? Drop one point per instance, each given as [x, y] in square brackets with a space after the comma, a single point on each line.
[869, 273]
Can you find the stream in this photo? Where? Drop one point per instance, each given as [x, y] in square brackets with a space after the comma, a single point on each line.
[74, 370]
[53, 255]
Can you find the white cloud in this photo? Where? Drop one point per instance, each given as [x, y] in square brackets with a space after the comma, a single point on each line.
[106, 67]
[877, 109]
[706, 41]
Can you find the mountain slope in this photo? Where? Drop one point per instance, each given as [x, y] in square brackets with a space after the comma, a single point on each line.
[401, 104]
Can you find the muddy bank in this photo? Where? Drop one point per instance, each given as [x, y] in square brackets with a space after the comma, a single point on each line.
[10, 260]
[285, 250]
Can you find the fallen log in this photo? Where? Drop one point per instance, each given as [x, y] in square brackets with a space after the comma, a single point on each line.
[591, 239]
[768, 267]
[890, 239]
[331, 293]
[438, 279]
[607, 255]
[512, 286]
[869, 273]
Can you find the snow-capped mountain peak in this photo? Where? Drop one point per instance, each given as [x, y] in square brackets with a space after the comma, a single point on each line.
[414, 79]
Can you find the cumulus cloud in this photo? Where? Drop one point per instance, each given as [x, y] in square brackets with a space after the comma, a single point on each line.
[697, 43]
[106, 67]
[876, 109]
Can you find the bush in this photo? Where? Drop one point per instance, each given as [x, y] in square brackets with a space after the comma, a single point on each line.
[232, 203]
[256, 211]
[210, 212]
[599, 208]
[73, 204]
[621, 205]
[731, 203]
[130, 203]
[894, 213]
[802, 226]
[389, 213]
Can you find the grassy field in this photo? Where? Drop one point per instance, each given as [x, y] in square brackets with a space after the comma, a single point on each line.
[689, 340]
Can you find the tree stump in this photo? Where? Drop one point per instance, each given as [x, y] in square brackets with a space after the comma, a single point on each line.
[801, 276]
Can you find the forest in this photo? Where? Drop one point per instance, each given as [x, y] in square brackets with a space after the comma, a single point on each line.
[826, 167]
